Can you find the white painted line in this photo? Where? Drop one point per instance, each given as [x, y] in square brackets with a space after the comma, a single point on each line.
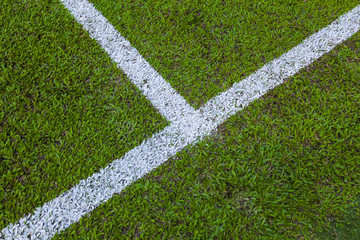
[160, 93]
[67, 209]
[84, 197]
[273, 74]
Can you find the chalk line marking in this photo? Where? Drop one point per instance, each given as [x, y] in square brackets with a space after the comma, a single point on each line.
[69, 207]
[272, 74]
[163, 97]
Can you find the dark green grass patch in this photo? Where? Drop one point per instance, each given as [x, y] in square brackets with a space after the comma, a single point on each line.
[347, 228]
[280, 169]
[203, 47]
[65, 109]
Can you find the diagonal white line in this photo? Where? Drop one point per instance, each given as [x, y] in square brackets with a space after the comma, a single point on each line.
[68, 208]
[273, 74]
[163, 97]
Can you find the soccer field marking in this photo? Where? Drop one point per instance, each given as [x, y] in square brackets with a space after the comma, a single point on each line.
[69, 207]
[160, 93]
[273, 73]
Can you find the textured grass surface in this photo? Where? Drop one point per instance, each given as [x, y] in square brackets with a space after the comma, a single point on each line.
[202, 47]
[66, 110]
[346, 228]
[284, 168]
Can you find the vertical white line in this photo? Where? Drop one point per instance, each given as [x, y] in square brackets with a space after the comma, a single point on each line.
[160, 93]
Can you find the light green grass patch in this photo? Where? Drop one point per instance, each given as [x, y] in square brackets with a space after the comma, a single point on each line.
[66, 109]
[203, 47]
[279, 169]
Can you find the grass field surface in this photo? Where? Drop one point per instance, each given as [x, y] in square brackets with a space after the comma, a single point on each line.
[285, 167]
[194, 44]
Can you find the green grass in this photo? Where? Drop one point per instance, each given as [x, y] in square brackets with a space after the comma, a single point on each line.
[286, 167]
[202, 49]
[348, 228]
[66, 110]
[283, 168]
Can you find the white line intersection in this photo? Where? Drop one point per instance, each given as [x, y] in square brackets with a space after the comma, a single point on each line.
[188, 125]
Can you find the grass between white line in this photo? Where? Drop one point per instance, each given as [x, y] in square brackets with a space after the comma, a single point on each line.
[272, 74]
[163, 97]
[70, 206]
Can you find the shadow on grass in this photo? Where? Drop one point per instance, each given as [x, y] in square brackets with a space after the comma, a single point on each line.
[349, 227]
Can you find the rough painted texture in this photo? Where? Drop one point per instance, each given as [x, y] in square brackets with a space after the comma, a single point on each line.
[187, 127]
[163, 97]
